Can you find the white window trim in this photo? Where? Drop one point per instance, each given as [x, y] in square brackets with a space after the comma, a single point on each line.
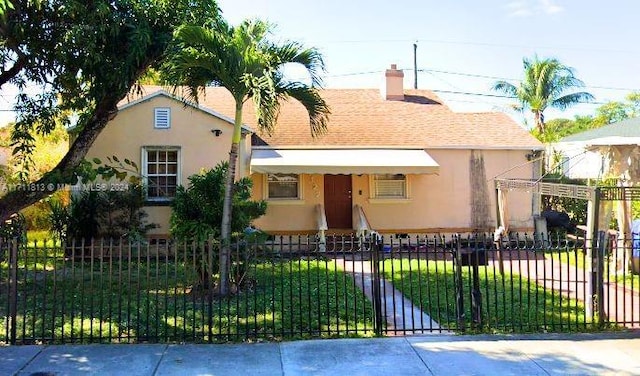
[283, 201]
[144, 172]
[389, 200]
[155, 117]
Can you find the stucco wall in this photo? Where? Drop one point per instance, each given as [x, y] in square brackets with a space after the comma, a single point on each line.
[132, 129]
[437, 202]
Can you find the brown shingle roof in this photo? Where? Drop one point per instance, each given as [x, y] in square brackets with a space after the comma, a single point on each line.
[362, 118]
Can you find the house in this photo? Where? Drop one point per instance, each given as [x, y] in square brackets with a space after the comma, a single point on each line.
[585, 155]
[398, 161]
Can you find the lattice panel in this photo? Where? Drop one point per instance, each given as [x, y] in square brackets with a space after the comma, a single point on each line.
[567, 190]
[620, 193]
[549, 189]
[515, 184]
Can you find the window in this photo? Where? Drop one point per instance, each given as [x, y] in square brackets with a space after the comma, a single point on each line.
[161, 168]
[283, 186]
[390, 186]
[162, 117]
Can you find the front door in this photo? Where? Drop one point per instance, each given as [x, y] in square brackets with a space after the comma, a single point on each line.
[337, 201]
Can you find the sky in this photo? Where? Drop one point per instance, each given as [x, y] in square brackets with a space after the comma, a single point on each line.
[463, 46]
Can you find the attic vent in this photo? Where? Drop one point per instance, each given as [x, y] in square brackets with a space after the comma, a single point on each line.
[162, 117]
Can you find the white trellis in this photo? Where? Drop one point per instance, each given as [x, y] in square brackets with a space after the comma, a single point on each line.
[599, 209]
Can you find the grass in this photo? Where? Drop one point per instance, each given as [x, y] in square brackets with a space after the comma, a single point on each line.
[578, 258]
[151, 300]
[40, 238]
[509, 304]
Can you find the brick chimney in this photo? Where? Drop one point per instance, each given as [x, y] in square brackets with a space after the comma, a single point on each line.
[393, 89]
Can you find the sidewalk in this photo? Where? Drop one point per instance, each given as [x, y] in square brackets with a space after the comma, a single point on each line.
[539, 354]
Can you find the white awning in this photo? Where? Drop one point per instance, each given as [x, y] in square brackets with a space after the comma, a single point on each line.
[343, 161]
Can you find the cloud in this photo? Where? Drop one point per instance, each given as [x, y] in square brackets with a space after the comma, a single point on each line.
[549, 7]
[527, 8]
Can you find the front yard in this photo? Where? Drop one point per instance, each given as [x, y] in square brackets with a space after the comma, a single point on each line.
[150, 299]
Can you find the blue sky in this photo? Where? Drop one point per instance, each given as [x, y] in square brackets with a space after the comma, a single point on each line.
[465, 38]
[469, 40]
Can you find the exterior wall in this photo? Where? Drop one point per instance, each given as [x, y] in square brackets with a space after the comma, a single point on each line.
[436, 202]
[133, 129]
[290, 216]
[576, 162]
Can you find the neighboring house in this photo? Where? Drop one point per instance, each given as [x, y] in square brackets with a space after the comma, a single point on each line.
[584, 155]
[401, 158]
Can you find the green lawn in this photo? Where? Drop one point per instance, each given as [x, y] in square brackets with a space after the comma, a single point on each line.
[150, 299]
[509, 304]
[577, 257]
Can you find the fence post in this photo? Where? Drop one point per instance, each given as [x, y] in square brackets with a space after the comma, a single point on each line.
[376, 249]
[599, 260]
[13, 289]
[208, 248]
[458, 281]
[476, 295]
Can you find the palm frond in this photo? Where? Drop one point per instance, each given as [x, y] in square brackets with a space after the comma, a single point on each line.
[295, 53]
[571, 99]
[315, 105]
[506, 88]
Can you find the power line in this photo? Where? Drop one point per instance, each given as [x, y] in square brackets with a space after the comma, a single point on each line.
[514, 79]
[475, 75]
[483, 44]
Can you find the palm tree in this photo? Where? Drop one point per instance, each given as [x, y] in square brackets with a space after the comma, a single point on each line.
[244, 61]
[546, 83]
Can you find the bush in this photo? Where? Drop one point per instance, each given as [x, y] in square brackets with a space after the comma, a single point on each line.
[38, 215]
[197, 210]
[197, 215]
[93, 214]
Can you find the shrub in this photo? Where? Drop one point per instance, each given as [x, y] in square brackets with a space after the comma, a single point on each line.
[197, 215]
[92, 214]
[197, 210]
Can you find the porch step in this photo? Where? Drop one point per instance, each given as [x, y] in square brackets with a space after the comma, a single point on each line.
[346, 241]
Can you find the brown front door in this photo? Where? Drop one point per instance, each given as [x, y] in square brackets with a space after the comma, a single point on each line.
[337, 201]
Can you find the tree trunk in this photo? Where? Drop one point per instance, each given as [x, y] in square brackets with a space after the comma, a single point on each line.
[225, 231]
[539, 121]
[65, 170]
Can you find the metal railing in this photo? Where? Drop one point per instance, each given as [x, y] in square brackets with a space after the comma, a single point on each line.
[361, 224]
[289, 288]
[321, 223]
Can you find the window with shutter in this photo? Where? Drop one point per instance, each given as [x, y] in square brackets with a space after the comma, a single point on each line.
[390, 186]
[283, 186]
[162, 117]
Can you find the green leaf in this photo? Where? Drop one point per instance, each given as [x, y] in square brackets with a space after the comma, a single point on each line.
[97, 161]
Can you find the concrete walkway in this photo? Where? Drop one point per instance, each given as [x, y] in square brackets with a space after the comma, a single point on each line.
[579, 354]
[402, 316]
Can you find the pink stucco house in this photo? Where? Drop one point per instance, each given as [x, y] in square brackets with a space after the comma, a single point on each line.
[393, 161]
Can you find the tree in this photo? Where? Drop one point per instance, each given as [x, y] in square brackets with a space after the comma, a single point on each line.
[197, 210]
[546, 83]
[197, 213]
[244, 61]
[84, 57]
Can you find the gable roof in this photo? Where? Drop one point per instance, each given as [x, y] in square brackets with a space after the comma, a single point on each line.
[629, 128]
[361, 118]
[156, 91]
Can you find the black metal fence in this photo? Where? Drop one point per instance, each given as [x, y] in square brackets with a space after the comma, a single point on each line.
[295, 287]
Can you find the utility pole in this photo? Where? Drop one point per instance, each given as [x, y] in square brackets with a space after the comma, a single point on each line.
[415, 65]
